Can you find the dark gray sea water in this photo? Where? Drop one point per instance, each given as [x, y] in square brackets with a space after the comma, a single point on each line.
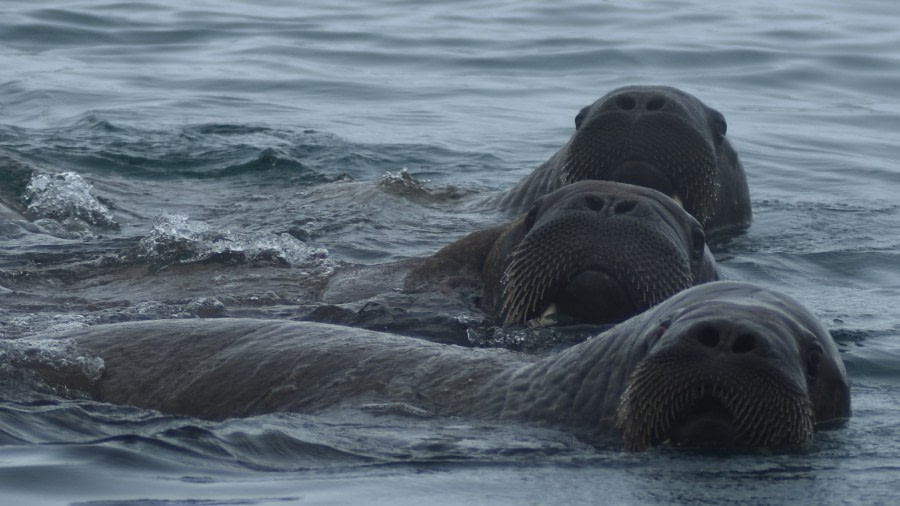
[174, 159]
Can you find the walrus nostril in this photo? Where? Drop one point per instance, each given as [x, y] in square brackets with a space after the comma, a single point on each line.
[625, 102]
[594, 202]
[656, 103]
[624, 207]
[708, 336]
[744, 343]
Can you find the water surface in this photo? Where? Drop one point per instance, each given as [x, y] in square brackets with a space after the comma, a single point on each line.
[155, 145]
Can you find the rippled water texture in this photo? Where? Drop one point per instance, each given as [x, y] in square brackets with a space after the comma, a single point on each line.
[221, 158]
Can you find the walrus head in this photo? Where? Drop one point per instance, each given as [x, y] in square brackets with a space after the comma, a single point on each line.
[595, 251]
[761, 373]
[659, 137]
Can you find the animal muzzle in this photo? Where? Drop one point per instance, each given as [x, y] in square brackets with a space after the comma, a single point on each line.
[664, 153]
[715, 383]
[591, 296]
[596, 273]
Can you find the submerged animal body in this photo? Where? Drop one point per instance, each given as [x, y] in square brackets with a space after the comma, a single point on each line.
[593, 251]
[654, 136]
[725, 362]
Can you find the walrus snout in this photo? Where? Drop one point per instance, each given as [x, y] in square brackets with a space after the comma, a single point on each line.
[653, 137]
[596, 258]
[597, 252]
[719, 380]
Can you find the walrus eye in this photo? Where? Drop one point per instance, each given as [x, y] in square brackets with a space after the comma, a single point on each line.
[813, 361]
[660, 331]
[698, 243]
[579, 118]
[663, 327]
[530, 218]
[720, 128]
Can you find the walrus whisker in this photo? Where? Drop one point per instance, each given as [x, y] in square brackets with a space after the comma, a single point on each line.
[777, 416]
[640, 274]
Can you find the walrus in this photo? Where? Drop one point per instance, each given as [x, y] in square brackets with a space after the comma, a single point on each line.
[654, 136]
[590, 252]
[724, 363]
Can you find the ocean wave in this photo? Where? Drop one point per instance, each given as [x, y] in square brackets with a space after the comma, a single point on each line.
[67, 198]
[176, 239]
[47, 365]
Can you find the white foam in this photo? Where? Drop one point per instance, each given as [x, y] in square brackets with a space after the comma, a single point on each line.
[174, 238]
[63, 355]
[65, 196]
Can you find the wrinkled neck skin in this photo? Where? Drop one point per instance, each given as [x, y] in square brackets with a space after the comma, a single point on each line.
[579, 387]
[233, 368]
[240, 367]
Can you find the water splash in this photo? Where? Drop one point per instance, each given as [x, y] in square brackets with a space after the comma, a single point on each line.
[57, 365]
[402, 177]
[174, 238]
[31, 323]
[67, 198]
